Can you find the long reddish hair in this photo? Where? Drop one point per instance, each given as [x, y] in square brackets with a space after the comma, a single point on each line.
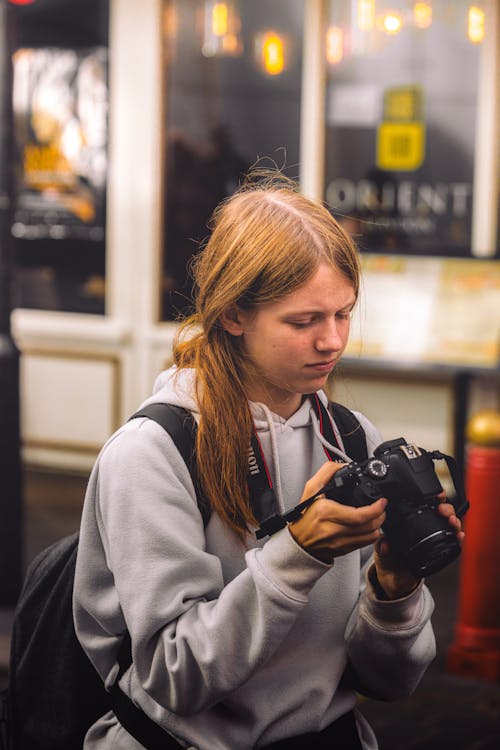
[266, 240]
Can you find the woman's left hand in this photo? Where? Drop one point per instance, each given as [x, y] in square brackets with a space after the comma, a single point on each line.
[395, 581]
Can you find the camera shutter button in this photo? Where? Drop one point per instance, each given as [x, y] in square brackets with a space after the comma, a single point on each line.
[376, 468]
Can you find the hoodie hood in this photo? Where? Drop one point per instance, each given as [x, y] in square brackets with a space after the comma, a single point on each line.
[280, 438]
[176, 387]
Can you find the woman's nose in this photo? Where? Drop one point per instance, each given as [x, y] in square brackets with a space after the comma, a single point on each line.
[330, 338]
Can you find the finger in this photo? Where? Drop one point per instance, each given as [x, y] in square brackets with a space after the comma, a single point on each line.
[447, 510]
[361, 540]
[345, 543]
[327, 520]
[322, 477]
[355, 531]
[349, 516]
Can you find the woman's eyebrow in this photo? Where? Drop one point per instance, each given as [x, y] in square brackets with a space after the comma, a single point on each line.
[317, 311]
[349, 305]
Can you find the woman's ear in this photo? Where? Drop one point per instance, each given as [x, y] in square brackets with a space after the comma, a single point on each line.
[231, 320]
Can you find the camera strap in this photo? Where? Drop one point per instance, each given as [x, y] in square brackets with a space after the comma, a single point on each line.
[325, 425]
[260, 484]
[460, 502]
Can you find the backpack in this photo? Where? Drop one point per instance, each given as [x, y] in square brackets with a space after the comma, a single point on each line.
[54, 692]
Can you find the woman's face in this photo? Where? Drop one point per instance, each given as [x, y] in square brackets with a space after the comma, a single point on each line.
[295, 343]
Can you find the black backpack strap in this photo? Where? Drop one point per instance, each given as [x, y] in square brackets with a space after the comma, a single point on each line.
[138, 724]
[352, 434]
[181, 426]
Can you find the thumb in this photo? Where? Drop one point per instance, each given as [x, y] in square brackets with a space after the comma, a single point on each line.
[322, 477]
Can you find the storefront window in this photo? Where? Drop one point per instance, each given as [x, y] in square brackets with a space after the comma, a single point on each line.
[233, 86]
[60, 103]
[401, 108]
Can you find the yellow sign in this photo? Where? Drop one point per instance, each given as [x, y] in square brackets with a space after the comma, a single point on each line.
[401, 134]
[400, 145]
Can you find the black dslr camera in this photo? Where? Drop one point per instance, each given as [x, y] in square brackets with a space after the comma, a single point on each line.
[417, 533]
[405, 475]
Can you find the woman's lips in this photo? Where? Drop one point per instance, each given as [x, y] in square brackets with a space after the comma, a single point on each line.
[322, 366]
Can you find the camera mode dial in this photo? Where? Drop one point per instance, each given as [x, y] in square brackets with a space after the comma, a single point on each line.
[376, 468]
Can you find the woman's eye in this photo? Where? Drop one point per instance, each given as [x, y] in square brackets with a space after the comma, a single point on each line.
[343, 315]
[300, 323]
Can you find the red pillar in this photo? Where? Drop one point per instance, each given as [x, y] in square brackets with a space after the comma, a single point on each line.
[475, 651]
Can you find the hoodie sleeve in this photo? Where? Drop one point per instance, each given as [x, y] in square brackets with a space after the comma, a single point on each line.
[390, 643]
[195, 637]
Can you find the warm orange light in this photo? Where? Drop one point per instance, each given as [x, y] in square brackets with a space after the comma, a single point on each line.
[219, 19]
[170, 21]
[391, 22]
[273, 53]
[334, 45]
[366, 14]
[422, 15]
[231, 44]
[475, 24]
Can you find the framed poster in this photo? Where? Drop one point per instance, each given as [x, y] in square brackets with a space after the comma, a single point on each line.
[60, 103]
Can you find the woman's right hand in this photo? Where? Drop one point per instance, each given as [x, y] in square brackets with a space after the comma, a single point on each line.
[327, 529]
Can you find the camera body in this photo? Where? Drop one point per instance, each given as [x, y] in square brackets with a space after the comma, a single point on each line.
[403, 473]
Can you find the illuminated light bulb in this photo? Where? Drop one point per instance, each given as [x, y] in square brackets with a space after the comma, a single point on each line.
[273, 53]
[422, 15]
[366, 14]
[334, 45]
[219, 19]
[21, 2]
[475, 24]
[392, 23]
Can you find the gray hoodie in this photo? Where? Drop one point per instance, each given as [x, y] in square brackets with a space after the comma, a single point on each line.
[233, 647]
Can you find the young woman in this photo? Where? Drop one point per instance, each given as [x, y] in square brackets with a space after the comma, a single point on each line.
[240, 642]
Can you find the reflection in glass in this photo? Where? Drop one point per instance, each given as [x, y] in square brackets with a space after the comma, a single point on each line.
[233, 83]
[401, 105]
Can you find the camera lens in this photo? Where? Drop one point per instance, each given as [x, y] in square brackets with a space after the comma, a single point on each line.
[434, 553]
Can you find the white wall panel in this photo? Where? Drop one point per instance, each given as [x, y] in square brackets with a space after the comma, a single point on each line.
[68, 401]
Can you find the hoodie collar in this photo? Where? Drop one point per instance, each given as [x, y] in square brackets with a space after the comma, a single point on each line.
[301, 418]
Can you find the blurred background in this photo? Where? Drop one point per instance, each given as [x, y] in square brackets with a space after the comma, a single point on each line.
[123, 123]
